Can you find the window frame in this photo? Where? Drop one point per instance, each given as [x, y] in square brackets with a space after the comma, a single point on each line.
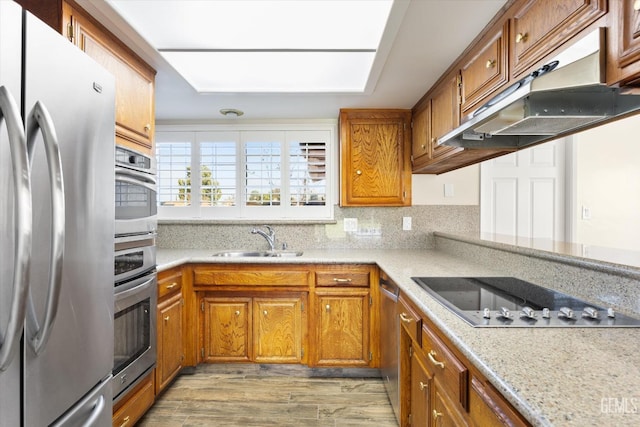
[196, 134]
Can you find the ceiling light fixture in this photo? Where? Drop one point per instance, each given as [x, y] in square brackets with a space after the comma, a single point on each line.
[231, 112]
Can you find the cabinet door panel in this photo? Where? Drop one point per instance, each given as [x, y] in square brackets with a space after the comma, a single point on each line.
[170, 345]
[277, 325]
[420, 392]
[343, 328]
[445, 113]
[375, 158]
[540, 26]
[227, 329]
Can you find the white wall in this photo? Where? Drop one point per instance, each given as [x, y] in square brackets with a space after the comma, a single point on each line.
[465, 182]
[608, 184]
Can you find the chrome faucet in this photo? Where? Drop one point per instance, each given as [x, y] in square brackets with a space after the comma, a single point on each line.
[271, 237]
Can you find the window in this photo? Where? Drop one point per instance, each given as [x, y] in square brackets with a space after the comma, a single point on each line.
[245, 174]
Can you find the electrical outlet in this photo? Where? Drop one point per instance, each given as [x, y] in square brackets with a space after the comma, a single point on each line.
[351, 225]
[448, 190]
[406, 223]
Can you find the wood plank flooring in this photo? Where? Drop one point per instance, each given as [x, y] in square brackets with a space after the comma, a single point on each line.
[272, 395]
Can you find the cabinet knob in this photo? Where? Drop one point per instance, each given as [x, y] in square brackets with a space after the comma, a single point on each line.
[237, 312]
[147, 127]
[264, 312]
[522, 37]
[358, 172]
[490, 63]
[434, 140]
[423, 146]
[327, 308]
[166, 319]
[436, 414]
[422, 386]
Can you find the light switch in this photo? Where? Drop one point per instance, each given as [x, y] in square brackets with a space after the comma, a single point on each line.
[448, 190]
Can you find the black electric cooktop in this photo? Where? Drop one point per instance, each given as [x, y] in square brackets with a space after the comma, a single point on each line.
[511, 302]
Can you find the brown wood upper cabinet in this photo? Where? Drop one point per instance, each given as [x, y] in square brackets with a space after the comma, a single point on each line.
[485, 70]
[541, 26]
[135, 80]
[375, 167]
[624, 68]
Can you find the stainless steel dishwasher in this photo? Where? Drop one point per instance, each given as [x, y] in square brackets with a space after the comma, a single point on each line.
[390, 340]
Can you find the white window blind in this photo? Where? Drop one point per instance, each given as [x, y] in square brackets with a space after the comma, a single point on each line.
[252, 174]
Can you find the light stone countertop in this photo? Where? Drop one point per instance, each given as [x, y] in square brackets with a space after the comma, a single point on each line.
[553, 376]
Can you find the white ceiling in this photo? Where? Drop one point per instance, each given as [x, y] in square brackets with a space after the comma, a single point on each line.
[429, 36]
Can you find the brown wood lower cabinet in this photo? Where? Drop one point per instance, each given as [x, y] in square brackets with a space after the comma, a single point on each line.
[438, 386]
[134, 405]
[251, 328]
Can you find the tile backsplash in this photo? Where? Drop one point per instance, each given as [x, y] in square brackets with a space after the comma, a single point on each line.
[377, 228]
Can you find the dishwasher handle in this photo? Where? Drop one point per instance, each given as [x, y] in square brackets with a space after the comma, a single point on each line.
[389, 289]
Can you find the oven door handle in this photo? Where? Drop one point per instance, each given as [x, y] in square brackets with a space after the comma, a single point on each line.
[23, 227]
[135, 175]
[134, 287]
[39, 118]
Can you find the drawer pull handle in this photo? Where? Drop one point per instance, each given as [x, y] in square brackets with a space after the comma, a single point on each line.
[237, 312]
[490, 63]
[432, 356]
[327, 308]
[404, 318]
[126, 421]
[173, 285]
[422, 385]
[521, 37]
[341, 280]
[166, 319]
[436, 414]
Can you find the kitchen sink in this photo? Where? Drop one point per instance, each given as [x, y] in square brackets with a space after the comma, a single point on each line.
[236, 254]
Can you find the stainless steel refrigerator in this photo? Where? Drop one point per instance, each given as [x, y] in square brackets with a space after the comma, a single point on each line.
[56, 228]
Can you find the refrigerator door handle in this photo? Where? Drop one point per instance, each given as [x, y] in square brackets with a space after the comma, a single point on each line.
[39, 118]
[23, 230]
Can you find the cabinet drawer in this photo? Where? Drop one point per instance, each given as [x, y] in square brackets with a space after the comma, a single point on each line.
[343, 278]
[137, 402]
[169, 282]
[265, 278]
[453, 374]
[410, 319]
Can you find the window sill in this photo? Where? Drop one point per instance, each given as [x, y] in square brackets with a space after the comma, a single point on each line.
[186, 221]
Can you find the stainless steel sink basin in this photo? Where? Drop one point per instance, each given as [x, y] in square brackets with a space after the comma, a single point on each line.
[235, 254]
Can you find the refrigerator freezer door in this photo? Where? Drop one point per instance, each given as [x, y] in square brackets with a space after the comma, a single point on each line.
[78, 354]
[93, 410]
[10, 80]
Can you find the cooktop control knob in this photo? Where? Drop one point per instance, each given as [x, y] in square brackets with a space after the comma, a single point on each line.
[590, 313]
[528, 312]
[546, 313]
[504, 313]
[486, 313]
[567, 313]
[611, 313]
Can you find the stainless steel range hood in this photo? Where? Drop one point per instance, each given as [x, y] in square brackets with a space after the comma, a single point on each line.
[572, 97]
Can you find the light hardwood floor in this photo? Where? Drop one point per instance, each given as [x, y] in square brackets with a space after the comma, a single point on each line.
[271, 395]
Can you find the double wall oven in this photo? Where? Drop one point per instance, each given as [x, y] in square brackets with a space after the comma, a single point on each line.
[135, 286]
